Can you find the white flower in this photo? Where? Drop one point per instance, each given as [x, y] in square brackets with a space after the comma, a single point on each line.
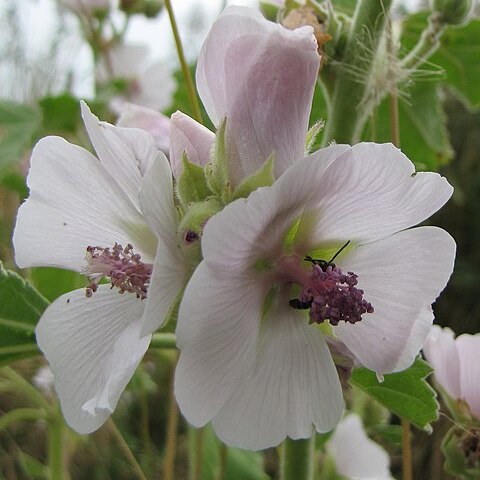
[251, 360]
[148, 85]
[77, 201]
[456, 364]
[356, 456]
[87, 6]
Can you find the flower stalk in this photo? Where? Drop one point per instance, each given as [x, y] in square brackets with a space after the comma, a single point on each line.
[346, 118]
[297, 459]
[197, 114]
[56, 444]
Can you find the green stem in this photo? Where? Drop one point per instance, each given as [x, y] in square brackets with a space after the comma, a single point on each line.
[56, 443]
[297, 459]
[172, 434]
[197, 114]
[222, 472]
[406, 451]
[427, 45]
[163, 340]
[196, 437]
[346, 117]
[21, 415]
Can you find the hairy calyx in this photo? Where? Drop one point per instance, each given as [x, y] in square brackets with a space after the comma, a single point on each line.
[122, 266]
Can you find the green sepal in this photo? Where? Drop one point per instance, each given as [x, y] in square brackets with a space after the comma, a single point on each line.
[216, 172]
[312, 135]
[263, 177]
[21, 306]
[406, 393]
[192, 185]
[460, 460]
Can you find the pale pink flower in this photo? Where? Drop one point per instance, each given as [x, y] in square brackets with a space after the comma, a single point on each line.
[260, 77]
[78, 207]
[253, 362]
[149, 85]
[356, 456]
[87, 6]
[456, 364]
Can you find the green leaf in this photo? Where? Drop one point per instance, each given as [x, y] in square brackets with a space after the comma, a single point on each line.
[240, 464]
[192, 184]
[423, 133]
[18, 124]
[60, 113]
[53, 282]
[405, 393]
[263, 177]
[32, 467]
[20, 309]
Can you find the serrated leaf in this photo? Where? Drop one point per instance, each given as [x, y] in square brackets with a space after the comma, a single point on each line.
[18, 124]
[263, 177]
[405, 393]
[192, 185]
[20, 309]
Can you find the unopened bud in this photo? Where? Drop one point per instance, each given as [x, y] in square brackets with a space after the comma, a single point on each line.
[453, 12]
[153, 8]
[461, 447]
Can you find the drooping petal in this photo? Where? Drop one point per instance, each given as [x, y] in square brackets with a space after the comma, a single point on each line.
[170, 269]
[93, 346]
[74, 202]
[291, 389]
[127, 153]
[468, 347]
[217, 331]
[401, 276]
[153, 122]
[441, 352]
[190, 137]
[356, 456]
[371, 192]
[266, 96]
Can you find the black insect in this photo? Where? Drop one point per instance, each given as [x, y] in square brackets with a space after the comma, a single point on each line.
[323, 264]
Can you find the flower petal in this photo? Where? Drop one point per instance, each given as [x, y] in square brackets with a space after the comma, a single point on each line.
[170, 270]
[266, 96]
[440, 350]
[153, 122]
[126, 153]
[217, 331]
[123, 62]
[74, 203]
[468, 347]
[156, 87]
[190, 137]
[291, 389]
[401, 276]
[356, 456]
[93, 346]
[370, 192]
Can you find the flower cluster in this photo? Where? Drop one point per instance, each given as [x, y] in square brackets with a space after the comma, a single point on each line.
[245, 243]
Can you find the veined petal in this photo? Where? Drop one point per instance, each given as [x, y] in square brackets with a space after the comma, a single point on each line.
[266, 96]
[127, 153]
[440, 350]
[190, 137]
[468, 347]
[74, 202]
[153, 122]
[93, 346]
[401, 276]
[371, 192]
[291, 389]
[170, 270]
[217, 332]
[356, 456]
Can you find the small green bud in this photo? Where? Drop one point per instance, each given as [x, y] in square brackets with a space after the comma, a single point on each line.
[452, 12]
[131, 7]
[153, 8]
